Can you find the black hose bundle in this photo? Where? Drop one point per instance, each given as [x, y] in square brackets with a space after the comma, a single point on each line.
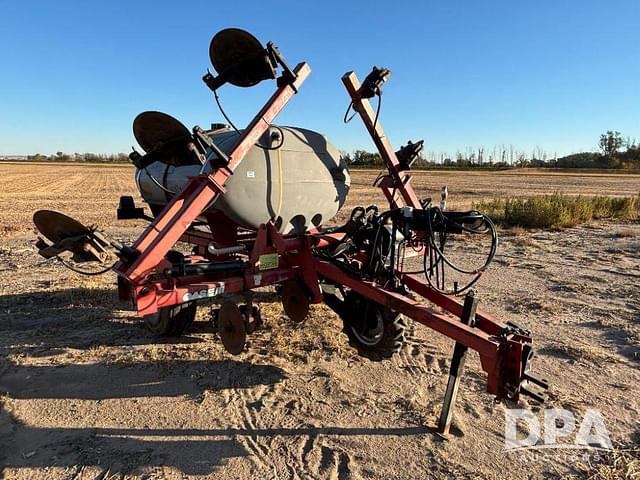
[481, 224]
[430, 228]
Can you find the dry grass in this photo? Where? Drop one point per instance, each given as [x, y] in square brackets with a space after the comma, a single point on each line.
[559, 210]
[625, 233]
[623, 463]
[515, 230]
[526, 241]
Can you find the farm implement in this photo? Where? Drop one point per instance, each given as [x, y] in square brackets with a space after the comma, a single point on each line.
[253, 205]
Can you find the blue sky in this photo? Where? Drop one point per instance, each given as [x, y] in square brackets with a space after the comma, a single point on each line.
[553, 74]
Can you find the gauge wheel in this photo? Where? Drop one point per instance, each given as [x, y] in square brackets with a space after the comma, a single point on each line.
[171, 321]
[376, 332]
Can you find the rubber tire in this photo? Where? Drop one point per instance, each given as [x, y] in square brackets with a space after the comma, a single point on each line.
[171, 321]
[393, 328]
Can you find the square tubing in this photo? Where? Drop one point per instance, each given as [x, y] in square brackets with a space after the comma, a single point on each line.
[487, 345]
[399, 181]
[484, 321]
[201, 191]
[457, 365]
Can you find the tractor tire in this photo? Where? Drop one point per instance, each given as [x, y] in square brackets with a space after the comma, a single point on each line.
[171, 321]
[375, 331]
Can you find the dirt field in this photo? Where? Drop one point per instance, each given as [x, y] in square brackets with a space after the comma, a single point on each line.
[86, 392]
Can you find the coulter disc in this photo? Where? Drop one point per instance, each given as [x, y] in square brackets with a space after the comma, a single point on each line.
[232, 328]
[155, 129]
[56, 226]
[295, 301]
[240, 55]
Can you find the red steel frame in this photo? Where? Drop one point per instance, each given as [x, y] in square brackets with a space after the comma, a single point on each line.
[502, 351]
[395, 185]
[192, 201]
[174, 222]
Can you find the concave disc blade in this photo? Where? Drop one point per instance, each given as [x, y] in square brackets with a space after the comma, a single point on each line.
[231, 46]
[56, 226]
[154, 129]
[295, 301]
[231, 328]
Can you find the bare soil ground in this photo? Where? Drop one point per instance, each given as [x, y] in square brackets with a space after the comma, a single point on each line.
[87, 392]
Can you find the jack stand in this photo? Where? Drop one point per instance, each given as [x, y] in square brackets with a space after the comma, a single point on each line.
[468, 317]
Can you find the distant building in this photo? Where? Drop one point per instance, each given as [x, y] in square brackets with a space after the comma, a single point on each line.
[13, 157]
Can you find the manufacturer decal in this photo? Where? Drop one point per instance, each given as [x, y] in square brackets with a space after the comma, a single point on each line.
[204, 293]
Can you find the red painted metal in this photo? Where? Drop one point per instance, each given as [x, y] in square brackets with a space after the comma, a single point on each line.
[196, 237]
[446, 324]
[294, 260]
[155, 295]
[497, 352]
[274, 258]
[224, 232]
[185, 207]
[396, 187]
[484, 321]
[501, 353]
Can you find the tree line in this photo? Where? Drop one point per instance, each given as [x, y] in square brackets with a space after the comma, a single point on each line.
[80, 157]
[615, 152]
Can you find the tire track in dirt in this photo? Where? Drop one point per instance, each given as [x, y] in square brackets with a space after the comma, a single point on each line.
[245, 420]
[417, 356]
[281, 453]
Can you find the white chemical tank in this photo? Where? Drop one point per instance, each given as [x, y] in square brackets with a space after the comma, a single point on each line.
[301, 182]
